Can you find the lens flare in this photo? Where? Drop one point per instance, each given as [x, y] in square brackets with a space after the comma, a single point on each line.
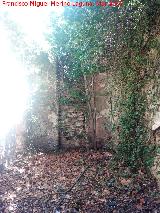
[13, 87]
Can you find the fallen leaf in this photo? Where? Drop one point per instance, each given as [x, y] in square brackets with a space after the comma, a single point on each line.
[106, 192]
[124, 181]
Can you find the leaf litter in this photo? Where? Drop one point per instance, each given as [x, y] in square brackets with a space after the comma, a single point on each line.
[74, 182]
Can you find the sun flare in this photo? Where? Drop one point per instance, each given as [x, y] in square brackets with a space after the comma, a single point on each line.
[13, 87]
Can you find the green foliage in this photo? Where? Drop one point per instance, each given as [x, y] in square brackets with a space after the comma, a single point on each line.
[64, 101]
[83, 37]
[77, 44]
[133, 149]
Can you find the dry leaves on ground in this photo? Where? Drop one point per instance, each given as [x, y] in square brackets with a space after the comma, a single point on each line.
[73, 182]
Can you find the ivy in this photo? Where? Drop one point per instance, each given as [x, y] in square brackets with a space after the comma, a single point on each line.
[133, 149]
[121, 36]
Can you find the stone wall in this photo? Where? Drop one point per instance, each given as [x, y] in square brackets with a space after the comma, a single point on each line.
[40, 124]
[152, 90]
[76, 127]
[106, 99]
[72, 127]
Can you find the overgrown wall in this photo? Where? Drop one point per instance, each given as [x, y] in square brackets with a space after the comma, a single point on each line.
[41, 120]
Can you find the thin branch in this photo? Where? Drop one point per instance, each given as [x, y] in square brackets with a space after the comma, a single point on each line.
[73, 185]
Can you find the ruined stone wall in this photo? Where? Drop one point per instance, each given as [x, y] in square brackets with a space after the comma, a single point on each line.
[76, 126]
[106, 96]
[39, 128]
[72, 127]
[152, 91]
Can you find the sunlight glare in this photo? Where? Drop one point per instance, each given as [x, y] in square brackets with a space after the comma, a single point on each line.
[35, 22]
[13, 87]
